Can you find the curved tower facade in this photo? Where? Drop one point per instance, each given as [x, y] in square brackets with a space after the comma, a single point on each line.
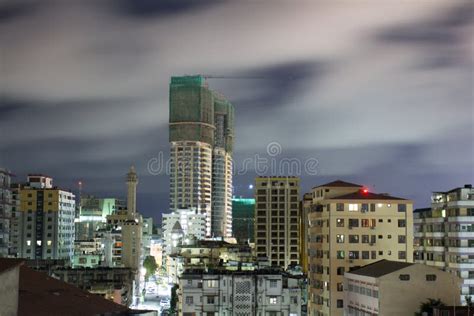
[201, 138]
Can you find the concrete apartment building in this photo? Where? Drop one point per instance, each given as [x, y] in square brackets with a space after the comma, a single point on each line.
[305, 208]
[243, 219]
[393, 288]
[444, 235]
[277, 220]
[201, 133]
[6, 202]
[351, 227]
[180, 224]
[259, 292]
[45, 220]
[93, 212]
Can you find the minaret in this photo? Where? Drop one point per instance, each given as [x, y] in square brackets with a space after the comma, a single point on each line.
[132, 181]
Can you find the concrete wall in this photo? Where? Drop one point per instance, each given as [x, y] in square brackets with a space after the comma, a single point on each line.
[404, 297]
[9, 281]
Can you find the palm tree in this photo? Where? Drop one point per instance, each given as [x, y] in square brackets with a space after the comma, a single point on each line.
[427, 307]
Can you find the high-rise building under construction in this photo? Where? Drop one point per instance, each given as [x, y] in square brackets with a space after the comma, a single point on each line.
[201, 137]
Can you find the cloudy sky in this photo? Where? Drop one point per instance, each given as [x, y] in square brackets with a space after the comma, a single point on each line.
[378, 92]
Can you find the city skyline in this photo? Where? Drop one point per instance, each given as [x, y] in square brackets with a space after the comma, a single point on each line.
[385, 103]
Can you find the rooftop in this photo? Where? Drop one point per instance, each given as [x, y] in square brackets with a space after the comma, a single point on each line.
[380, 268]
[338, 184]
[361, 195]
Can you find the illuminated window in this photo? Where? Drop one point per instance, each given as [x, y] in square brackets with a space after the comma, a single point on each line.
[28, 242]
[353, 207]
[273, 300]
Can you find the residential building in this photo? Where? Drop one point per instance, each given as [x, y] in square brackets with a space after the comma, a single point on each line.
[444, 235]
[15, 221]
[207, 253]
[5, 212]
[88, 253]
[45, 220]
[115, 284]
[305, 209]
[201, 136]
[182, 222]
[277, 220]
[243, 219]
[350, 227]
[93, 212]
[25, 292]
[147, 235]
[393, 288]
[222, 292]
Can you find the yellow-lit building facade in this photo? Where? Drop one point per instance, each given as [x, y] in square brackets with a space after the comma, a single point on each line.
[45, 220]
[351, 227]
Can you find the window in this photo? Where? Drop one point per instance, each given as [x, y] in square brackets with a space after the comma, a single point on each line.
[375, 293]
[404, 277]
[402, 207]
[340, 270]
[340, 239]
[339, 287]
[372, 207]
[365, 223]
[431, 277]
[365, 239]
[189, 299]
[273, 300]
[210, 300]
[401, 239]
[273, 283]
[353, 254]
[340, 207]
[340, 222]
[353, 239]
[211, 283]
[353, 207]
[402, 255]
[340, 254]
[373, 254]
[401, 223]
[340, 303]
[364, 208]
[353, 222]
[365, 255]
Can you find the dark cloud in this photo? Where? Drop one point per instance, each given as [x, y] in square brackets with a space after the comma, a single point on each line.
[153, 8]
[277, 85]
[438, 30]
[12, 9]
[87, 86]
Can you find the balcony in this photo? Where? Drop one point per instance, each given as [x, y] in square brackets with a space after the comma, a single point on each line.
[463, 219]
[461, 249]
[461, 234]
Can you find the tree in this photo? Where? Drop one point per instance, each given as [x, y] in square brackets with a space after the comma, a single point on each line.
[427, 307]
[150, 266]
[174, 298]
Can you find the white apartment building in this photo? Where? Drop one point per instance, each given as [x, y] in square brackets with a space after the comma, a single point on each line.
[444, 235]
[259, 292]
[191, 224]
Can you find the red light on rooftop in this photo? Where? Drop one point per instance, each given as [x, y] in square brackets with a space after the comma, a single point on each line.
[365, 191]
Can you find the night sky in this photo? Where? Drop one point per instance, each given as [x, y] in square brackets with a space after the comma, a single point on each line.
[379, 94]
